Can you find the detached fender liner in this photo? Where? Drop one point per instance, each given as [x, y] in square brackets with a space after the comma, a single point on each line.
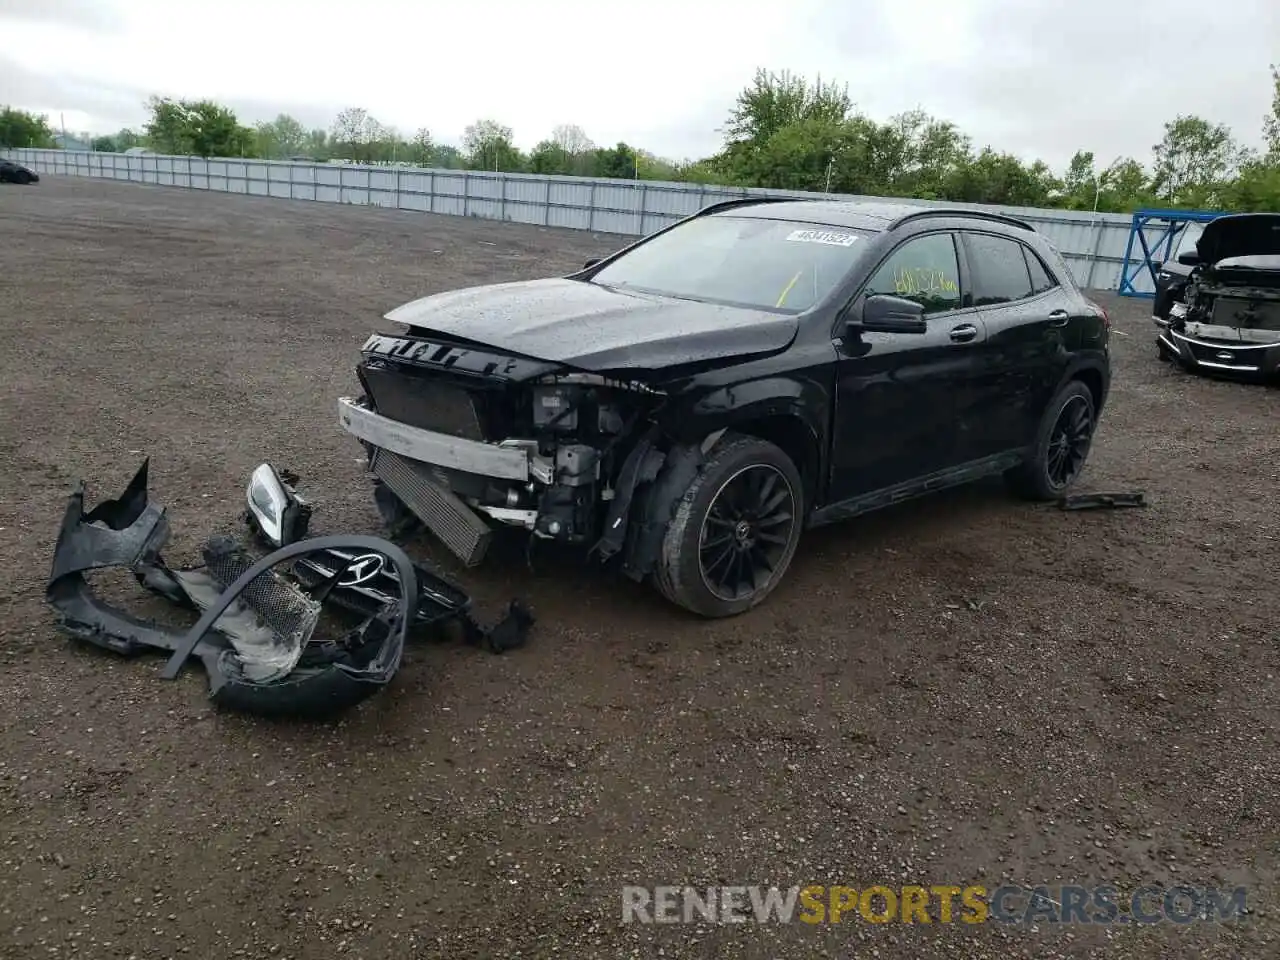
[316, 679]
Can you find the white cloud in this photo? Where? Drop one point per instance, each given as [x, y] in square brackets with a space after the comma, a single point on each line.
[1037, 79]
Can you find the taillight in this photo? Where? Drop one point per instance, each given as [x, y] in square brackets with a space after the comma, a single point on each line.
[1101, 313]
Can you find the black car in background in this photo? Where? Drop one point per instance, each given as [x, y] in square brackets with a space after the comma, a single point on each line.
[693, 402]
[1227, 320]
[12, 172]
[1172, 276]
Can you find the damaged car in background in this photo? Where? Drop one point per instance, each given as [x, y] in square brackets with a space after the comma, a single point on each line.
[1228, 320]
[685, 407]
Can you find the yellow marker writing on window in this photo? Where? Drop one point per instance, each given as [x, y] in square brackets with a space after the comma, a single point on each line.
[787, 288]
[917, 281]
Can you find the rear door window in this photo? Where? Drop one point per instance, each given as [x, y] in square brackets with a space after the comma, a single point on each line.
[1041, 280]
[997, 270]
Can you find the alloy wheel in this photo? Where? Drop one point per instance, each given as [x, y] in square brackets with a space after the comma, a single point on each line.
[746, 532]
[1069, 441]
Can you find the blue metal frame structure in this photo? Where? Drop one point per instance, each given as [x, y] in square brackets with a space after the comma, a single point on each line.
[1170, 224]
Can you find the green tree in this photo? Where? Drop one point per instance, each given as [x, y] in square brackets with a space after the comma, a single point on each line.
[1193, 161]
[1256, 189]
[358, 136]
[18, 128]
[488, 146]
[280, 138]
[422, 150]
[934, 150]
[316, 144]
[1271, 122]
[620, 162]
[448, 157]
[994, 177]
[549, 159]
[1081, 184]
[776, 100]
[200, 127]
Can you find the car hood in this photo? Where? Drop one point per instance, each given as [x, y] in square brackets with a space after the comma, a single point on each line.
[1238, 235]
[596, 328]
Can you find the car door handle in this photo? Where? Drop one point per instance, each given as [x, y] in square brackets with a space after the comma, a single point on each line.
[963, 333]
[1058, 318]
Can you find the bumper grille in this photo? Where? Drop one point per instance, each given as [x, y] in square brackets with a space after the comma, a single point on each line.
[454, 523]
[422, 401]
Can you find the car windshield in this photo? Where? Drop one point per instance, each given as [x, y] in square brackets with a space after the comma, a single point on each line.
[783, 266]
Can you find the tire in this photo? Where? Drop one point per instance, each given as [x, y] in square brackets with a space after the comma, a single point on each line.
[739, 470]
[22, 177]
[1044, 476]
[1163, 352]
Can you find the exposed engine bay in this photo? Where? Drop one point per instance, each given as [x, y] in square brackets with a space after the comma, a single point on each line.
[1229, 320]
[463, 440]
[1228, 304]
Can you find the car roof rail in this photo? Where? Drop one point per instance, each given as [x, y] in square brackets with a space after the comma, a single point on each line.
[744, 202]
[960, 212]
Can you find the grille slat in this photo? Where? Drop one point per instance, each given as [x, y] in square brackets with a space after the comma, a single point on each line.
[423, 402]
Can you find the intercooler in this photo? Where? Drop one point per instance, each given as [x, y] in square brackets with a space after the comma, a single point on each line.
[456, 525]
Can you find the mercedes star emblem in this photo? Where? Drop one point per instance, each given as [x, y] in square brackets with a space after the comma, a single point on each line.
[362, 569]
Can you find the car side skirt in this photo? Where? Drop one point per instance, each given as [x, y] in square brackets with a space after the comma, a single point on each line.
[918, 487]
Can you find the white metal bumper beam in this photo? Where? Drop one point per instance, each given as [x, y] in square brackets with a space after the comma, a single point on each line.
[441, 449]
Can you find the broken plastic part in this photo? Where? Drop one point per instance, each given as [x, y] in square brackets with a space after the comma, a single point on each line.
[130, 531]
[1090, 501]
[510, 632]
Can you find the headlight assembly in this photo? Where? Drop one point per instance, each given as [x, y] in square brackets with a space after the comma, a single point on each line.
[274, 508]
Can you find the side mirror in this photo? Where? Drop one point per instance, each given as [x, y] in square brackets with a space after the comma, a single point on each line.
[886, 314]
[1188, 258]
[591, 263]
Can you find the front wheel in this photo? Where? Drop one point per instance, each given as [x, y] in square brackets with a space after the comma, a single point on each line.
[1061, 446]
[22, 177]
[735, 529]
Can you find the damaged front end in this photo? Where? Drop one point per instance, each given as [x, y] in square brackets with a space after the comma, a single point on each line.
[463, 441]
[257, 630]
[1229, 322]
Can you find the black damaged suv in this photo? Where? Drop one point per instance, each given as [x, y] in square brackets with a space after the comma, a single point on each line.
[693, 402]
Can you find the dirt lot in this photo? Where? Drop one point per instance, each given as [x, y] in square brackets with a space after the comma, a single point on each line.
[964, 691]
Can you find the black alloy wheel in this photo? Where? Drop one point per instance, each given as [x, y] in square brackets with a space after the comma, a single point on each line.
[746, 534]
[1069, 441]
[1061, 445]
[734, 531]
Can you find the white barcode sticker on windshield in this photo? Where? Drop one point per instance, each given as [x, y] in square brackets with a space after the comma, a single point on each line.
[823, 236]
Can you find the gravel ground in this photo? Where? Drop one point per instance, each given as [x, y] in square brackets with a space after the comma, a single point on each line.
[967, 690]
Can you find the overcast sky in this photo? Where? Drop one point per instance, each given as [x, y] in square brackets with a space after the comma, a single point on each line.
[1034, 77]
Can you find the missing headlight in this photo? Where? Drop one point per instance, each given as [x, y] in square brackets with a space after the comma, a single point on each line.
[556, 407]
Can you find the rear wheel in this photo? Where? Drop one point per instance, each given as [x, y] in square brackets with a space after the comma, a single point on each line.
[1061, 447]
[735, 529]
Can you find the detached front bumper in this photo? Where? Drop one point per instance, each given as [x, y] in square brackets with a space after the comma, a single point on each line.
[1261, 360]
